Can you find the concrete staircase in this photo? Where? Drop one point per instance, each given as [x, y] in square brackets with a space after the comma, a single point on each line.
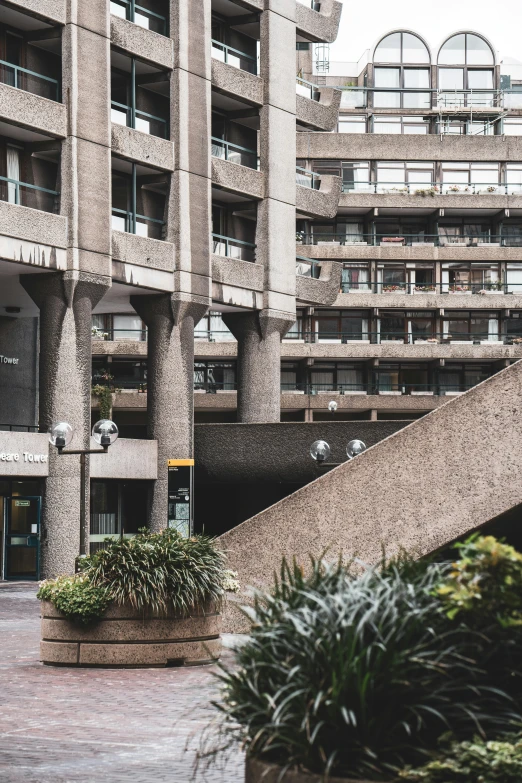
[433, 481]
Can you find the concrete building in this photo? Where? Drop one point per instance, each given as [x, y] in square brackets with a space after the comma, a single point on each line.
[189, 232]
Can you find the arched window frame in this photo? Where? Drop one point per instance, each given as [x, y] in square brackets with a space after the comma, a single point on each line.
[403, 67]
[486, 94]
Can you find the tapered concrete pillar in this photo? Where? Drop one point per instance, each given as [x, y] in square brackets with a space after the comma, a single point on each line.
[66, 302]
[258, 336]
[170, 385]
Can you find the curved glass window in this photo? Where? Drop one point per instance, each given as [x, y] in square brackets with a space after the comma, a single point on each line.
[401, 48]
[466, 49]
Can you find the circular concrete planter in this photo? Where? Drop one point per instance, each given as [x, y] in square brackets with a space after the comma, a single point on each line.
[260, 772]
[123, 638]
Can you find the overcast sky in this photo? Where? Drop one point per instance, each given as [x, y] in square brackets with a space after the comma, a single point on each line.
[362, 24]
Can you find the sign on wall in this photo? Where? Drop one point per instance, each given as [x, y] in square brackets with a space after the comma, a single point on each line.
[181, 495]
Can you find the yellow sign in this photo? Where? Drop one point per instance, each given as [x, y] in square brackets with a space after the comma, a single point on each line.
[174, 463]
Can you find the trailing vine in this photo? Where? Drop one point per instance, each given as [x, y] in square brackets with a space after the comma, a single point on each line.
[104, 396]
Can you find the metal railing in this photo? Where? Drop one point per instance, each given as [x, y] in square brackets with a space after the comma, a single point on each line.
[235, 57]
[132, 223]
[407, 338]
[233, 248]
[427, 189]
[30, 81]
[144, 17]
[426, 98]
[408, 240]
[18, 428]
[139, 120]
[111, 335]
[234, 153]
[307, 267]
[498, 287]
[315, 6]
[307, 89]
[307, 178]
[22, 193]
[439, 389]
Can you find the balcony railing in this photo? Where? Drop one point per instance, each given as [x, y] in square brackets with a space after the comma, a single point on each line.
[307, 89]
[315, 6]
[231, 56]
[307, 179]
[134, 12]
[411, 240]
[234, 153]
[18, 428]
[233, 248]
[139, 120]
[452, 288]
[132, 223]
[22, 193]
[307, 267]
[408, 338]
[136, 335]
[439, 389]
[36, 83]
[429, 99]
[427, 189]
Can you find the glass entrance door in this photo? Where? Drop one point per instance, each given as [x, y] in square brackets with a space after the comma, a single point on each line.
[22, 538]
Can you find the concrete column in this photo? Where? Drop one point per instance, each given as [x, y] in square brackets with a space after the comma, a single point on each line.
[86, 153]
[170, 385]
[258, 336]
[66, 302]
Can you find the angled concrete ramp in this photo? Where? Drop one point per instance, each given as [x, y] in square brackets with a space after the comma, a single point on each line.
[433, 481]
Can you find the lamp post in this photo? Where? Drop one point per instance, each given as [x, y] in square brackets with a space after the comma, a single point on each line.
[105, 433]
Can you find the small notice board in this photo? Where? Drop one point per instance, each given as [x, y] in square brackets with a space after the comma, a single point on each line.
[181, 495]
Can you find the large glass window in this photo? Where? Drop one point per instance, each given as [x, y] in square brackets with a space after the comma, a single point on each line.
[473, 278]
[392, 124]
[512, 126]
[212, 328]
[401, 47]
[351, 124]
[469, 326]
[118, 510]
[407, 176]
[341, 325]
[139, 96]
[401, 87]
[356, 277]
[215, 376]
[466, 49]
[337, 376]
[465, 177]
[406, 326]
[514, 178]
[138, 199]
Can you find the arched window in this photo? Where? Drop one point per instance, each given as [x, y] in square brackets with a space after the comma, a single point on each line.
[401, 47]
[399, 78]
[466, 63]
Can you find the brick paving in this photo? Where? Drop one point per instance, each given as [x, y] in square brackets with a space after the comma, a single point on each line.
[60, 725]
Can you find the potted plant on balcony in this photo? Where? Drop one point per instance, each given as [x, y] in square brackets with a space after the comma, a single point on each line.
[393, 240]
[459, 289]
[398, 288]
[354, 676]
[152, 600]
[427, 288]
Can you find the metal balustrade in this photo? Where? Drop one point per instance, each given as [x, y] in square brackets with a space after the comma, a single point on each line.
[30, 81]
[431, 189]
[307, 89]
[22, 193]
[408, 240]
[233, 248]
[307, 178]
[226, 150]
[429, 337]
[234, 57]
[139, 120]
[133, 223]
[429, 99]
[307, 267]
[384, 387]
[144, 17]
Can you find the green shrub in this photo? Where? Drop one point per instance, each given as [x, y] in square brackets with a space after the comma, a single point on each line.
[154, 572]
[472, 762]
[75, 597]
[358, 675]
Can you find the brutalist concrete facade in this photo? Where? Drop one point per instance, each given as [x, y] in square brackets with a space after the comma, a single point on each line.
[133, 189]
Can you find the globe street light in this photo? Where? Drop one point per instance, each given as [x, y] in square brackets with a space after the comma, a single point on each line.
[332, 406]
[354, 448]
[105, 433]
[320, 451]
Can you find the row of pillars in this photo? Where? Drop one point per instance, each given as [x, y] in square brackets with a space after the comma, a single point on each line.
[66, 301]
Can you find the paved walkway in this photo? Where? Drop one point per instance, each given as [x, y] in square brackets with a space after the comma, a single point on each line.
[61, 725]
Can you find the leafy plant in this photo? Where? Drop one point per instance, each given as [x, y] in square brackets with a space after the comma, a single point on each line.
[154, 572]
[75, 597]
[104, 396]
[485, 581]
[472, 762]
[357, 675]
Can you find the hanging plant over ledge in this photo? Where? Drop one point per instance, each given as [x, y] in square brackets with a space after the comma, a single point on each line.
[104, 396]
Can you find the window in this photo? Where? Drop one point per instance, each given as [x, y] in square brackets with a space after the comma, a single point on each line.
[461, 377]
[338, 231]
[337, 376]
[355, 277]
[514, 178]
[341, 325]
[404, 176]
[120, 326]
[215, 376]
[351, 125]
[150, 14]
[289, 376]
[138, 199]
[470, 326]
[512, 126]
[401, 377]
[513, 324]
[401, 47]
[460, 231]
[408, 327]
[402, 87]
[212, 328]
[136, 96]
[392, 124]
[29, 178]
[118, 509]
[470, 177]
[466, 49]
[458, 278]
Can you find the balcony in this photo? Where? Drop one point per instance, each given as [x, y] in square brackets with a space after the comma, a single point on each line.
[318, 21]
[317, 284]
[317, 196]
[317, 108]
[233, 248]
[242, 156]
[459, 102]
[132, 223]
[139, 120]
[305, 267]
[22, 193]
[307, 179]
[138, 14]
[484, 240]
[234, 57]
[29, 81]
